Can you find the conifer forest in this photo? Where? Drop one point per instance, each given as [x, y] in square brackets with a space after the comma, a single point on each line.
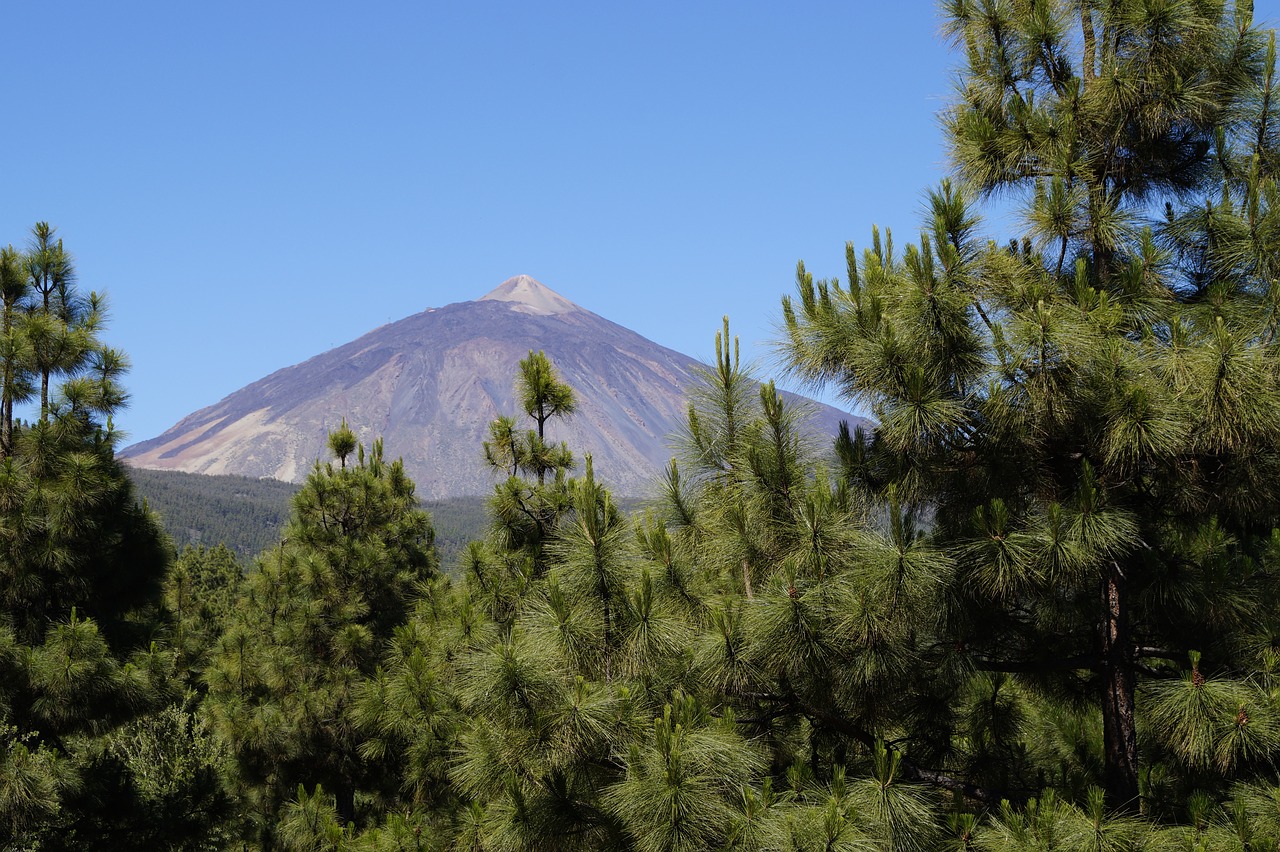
[1036, 606]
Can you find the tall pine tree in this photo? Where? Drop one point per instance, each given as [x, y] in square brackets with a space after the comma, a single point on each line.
[92, 746]
[309, 633]
[1088, 416]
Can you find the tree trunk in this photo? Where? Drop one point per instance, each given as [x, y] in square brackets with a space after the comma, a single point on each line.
[6, 423]
[1119, 729]
[1089, 65]
[6, 402]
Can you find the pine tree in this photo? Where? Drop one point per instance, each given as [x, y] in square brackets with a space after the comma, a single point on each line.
[570, 664]
[1087, 417]
[200, 592]
[15, 385]
[542, 396]
[525, 508]
[60, 328]
[310, 631]
[93, 744]
[795, 598]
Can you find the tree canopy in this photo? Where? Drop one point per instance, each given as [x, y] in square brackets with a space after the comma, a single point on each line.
[96, 742]
[1088, 416]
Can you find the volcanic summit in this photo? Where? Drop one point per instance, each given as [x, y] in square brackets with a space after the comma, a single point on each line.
[430, 384]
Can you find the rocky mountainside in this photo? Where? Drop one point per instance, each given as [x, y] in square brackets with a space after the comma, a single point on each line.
[430, 384]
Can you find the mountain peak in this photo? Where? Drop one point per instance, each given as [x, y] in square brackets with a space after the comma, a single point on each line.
[530, 297]
[430, 385]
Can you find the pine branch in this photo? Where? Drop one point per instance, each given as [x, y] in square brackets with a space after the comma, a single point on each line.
[911, 770]
[1089, 65]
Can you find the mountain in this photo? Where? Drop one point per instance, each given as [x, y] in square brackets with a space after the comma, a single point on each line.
[430, 384]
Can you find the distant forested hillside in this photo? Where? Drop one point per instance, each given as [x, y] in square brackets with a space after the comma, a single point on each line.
[247, 514]
[244, 514]
[456, 522]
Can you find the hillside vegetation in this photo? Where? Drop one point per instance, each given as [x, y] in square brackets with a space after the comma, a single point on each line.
[246, 515]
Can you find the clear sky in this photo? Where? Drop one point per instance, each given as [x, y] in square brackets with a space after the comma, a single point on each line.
[255, 183]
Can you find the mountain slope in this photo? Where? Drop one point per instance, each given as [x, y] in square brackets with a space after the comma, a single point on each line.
[430, 384]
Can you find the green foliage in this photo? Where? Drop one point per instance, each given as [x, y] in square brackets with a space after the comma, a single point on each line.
[249, 515]
[542, 395]
[77, 538]
[342, 443]
[682, 788]
[964, 630]
[200, 594]
[457, 522]
[198, 510]
[92, 744]
[1088, 416]
[525, 513]
[156, 781]
[309, 632]
[34, 779]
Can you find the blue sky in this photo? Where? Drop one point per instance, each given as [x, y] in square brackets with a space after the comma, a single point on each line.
[255, 183]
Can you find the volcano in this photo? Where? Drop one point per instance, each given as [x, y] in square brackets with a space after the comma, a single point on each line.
[430, 384]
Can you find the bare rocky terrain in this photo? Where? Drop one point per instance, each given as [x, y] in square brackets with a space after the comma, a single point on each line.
[430, 384]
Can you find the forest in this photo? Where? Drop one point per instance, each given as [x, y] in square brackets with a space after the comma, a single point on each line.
[1035, 607]
[248, 515]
